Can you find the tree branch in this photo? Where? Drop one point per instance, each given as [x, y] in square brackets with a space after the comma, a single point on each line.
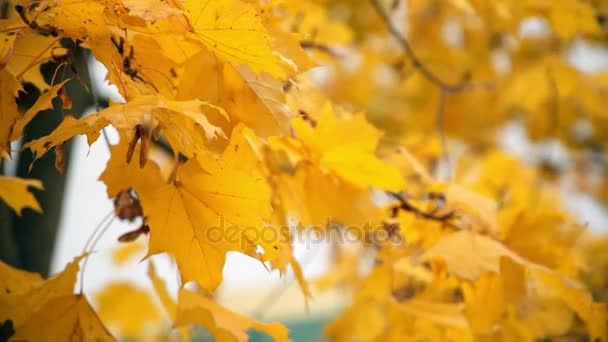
[404, 204]
[445, 154]
[421, 67]
[445, 87]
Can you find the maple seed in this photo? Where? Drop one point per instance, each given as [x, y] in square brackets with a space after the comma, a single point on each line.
[127, 206]
[45, 29]
[145, 146]
[134, 234]
[127, 62]
[60, 158]
[65, 98]
[155, 134]
[308, 118]
[132, 144]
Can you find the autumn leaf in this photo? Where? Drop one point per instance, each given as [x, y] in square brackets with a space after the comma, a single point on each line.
[63, 319]
[183, 123]
[41, 309]
[168, 302]
[9, 113]
[350, 158]
[67, 17]
[323, 158]
[486, 302]
[29, 51]
[45, 101]
[116, 304]
[222, 323]
[470, 255]
[205, 200]
[14, 191]
[120, 175]
[150, 10]
[580, 301]
[25, 293]
[125, 252]
[160, 287]
[234, 31]
[212, 206]
[226, 87]
[443, 313]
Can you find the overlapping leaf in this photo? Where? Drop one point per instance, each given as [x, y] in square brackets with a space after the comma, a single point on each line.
[210, 207]
[14, 191]
[234, 31]
[183, 123]
[224, 324]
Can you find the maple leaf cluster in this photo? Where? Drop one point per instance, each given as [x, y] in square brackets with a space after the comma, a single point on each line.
[379, 118]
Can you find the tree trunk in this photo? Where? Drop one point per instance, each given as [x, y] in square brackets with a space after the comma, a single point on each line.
[27, 242]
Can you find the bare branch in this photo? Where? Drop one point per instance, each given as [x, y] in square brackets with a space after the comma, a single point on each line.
[404, 204]
[310, 45]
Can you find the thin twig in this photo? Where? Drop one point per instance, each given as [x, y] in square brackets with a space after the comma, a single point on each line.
[404, 204]
[92, 241]
[445, 154]
[421, 67]
[306, 45]
[445, 87]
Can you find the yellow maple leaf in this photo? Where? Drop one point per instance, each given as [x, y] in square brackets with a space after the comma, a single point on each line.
[486, 302]
[353, 325]
[9, 113]
[234, 31]
[352, 158]
[212, 206]
[167, 301]
[595, 315]
[184, 123]
[449, 314]
[20, 299]
[29, 51]
[470, 255]
[124, 252]
[193, 217]
[150, 10]
[67, 318]
[226, 87]
[120, 175]
[14, 191]
[161, 290]
[119, 300]
[45, 101]
[224, 324]
[67, 16]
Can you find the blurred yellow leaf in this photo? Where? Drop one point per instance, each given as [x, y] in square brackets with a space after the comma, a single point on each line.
[69, 318]
[222, 323]
[14, 191]
[118, 301]
[470, 255]
[9, 113]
